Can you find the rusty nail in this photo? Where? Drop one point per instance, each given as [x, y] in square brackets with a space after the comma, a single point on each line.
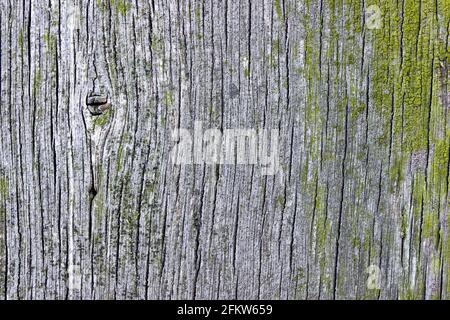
[97, 103]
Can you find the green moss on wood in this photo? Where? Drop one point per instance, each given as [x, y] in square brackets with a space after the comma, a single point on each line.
[122, 6]
[103, 119]
[20, 40]
[278, 9]
[4, 185]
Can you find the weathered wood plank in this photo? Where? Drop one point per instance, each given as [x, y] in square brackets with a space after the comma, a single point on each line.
[92, 207]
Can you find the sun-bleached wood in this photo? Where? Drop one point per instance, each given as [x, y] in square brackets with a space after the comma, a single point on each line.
[91, 206]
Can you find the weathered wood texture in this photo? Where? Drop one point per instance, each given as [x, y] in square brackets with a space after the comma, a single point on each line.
[91, 207]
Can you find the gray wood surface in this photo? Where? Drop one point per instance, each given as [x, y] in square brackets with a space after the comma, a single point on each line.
[92, 207]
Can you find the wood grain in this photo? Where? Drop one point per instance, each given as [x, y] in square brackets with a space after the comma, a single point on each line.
[91, 207]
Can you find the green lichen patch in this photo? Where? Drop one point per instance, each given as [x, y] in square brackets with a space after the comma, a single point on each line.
[122, 6]
[278, 9]
[50, 43]
[168, 98]
[103, 119]
[37, 81]
[20, 41]
[4, 185]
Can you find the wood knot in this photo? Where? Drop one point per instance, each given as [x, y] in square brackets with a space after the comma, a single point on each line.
[92, 192]
[97, 103]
